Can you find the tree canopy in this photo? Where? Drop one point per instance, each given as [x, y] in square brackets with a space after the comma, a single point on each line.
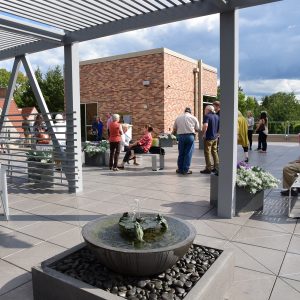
[51, 84]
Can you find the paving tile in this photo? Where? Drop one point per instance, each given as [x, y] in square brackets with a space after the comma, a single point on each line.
[263, 238]
[106, 208]
[34, 256]
[251, 285]
[297, 229]
[27, 204]
[77, 217]
[47, 229]
[12, 241]
[216, 229]
[284, 289]
[68, 239]
[240, 220]
[280, 224]
[98, 195]
[291, 267]
[210, 241]
[270, 259]
[48, 210]
[295, 244]
[11, 277]
[19, 219]
[23, 292]
[193, 211]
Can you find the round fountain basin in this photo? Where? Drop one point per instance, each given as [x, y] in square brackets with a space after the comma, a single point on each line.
[122, 255]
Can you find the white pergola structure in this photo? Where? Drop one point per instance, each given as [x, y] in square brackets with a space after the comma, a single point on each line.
[29, 26]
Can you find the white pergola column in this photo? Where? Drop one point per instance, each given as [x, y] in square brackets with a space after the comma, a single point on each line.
[229, 41]
[72, 98]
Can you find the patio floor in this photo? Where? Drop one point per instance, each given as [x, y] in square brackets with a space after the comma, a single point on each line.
[266, 244]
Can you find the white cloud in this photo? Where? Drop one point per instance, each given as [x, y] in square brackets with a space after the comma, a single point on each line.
[271, 86]
[208, 23]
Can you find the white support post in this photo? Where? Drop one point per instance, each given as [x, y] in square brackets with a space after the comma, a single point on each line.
[229, 107]
[3, 192]
[72, 98]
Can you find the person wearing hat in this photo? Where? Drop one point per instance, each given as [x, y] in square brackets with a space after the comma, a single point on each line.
[186, 125]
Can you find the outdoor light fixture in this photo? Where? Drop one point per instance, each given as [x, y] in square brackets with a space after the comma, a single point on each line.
[146, 82]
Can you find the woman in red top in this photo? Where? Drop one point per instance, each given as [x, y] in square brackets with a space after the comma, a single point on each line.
[141, 146]
[115, 132]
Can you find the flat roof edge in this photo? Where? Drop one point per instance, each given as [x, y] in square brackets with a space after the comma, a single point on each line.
[144, 53]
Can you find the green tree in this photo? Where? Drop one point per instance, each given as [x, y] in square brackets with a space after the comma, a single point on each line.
[28, 98]
[281, 106]
[20, 84]
[52, 87]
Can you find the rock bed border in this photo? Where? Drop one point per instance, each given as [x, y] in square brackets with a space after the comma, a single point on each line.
[50, 284]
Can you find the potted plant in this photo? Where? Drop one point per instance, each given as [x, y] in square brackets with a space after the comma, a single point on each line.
[96, 152]
[166, 140]
[40, 166]
[251, 182]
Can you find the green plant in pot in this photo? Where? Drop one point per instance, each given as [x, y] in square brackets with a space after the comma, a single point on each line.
[39, 156]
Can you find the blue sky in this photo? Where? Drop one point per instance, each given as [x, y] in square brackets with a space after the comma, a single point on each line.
[269, 46]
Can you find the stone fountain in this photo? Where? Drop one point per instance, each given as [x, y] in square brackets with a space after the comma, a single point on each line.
[135, 257]
[138, 246]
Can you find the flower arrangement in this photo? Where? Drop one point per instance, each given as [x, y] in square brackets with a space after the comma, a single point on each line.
[254, 179]
[92, 148]
[39, 156]
[167, 136]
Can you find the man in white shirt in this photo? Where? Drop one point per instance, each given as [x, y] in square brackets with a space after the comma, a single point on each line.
[186, 126]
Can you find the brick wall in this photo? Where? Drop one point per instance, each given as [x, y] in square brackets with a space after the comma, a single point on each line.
[209, 82]
[179, 87]
[116, 84]
[117, 87]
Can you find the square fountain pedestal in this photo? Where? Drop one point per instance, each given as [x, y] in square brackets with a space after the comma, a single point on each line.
[49, 284]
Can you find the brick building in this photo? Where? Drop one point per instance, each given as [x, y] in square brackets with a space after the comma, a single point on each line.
[148, 87]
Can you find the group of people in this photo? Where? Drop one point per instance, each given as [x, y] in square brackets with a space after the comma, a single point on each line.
[119, 136]
[186, 126]
[36, 132]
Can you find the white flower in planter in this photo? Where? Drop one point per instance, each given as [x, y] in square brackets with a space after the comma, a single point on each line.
[254, 179]
[93, 148]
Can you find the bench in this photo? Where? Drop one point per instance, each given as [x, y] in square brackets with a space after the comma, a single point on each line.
[153, 157]
[294, 212]
[154, 160]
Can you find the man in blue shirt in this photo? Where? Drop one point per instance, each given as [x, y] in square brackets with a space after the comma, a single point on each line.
[210, 129]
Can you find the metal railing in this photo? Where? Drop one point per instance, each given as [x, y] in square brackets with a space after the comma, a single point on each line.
[284, 127]
[34, 155]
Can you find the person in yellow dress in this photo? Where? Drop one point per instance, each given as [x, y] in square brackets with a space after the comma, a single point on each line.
[243, 134]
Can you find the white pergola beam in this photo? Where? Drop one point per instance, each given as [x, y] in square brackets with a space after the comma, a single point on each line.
[12, 25]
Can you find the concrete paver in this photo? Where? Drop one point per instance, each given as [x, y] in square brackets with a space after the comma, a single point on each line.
[265, 243]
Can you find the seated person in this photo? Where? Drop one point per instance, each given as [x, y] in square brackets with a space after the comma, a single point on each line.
[141, 146]
[289, 175]
[126, 136]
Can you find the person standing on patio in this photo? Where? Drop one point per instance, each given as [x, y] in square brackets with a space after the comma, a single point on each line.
[210, 129]
[115, 133]
[262, 130]
[243, 134]
[250, 121]
[185, 126]
[99, 129]
[217, 107]
[109, 120]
